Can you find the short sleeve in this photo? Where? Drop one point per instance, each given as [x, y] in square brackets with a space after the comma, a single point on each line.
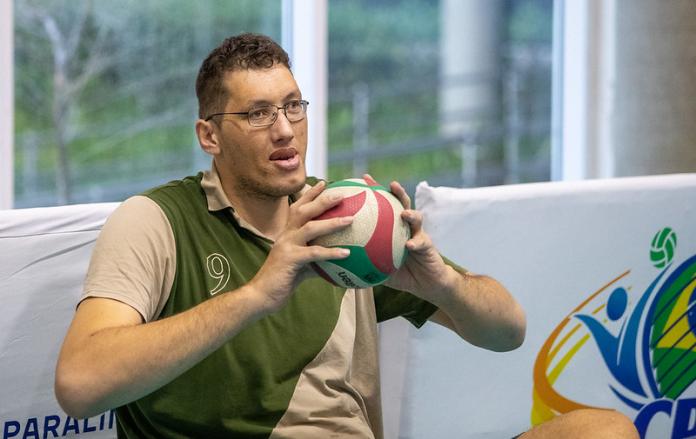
[134, 258]
[390, 303]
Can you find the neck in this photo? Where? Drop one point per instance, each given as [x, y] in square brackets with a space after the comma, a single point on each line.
[268, 215]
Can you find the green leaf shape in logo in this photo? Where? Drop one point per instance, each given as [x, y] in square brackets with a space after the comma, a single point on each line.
[662, 247]
[672, 336]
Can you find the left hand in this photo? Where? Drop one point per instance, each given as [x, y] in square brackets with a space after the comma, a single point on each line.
[423, 273]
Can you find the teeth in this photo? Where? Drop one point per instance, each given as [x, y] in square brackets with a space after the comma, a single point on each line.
[283, 157]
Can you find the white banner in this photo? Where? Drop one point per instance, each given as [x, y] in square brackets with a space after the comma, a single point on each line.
[44, 255]
[605, 271]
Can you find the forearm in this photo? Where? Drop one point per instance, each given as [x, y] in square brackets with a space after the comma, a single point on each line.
[114, 366]
[481, 311]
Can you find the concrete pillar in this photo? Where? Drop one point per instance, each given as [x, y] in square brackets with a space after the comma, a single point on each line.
[654, 108]
[469, 47]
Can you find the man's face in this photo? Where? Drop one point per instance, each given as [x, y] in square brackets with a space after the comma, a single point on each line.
[261, 161]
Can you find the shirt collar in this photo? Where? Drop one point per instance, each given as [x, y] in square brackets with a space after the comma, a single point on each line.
[217, 199]
[214, 194]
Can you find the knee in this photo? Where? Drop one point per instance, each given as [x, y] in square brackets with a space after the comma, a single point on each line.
[586, 423]
[605, 424]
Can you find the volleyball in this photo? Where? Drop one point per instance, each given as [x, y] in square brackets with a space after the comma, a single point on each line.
[662, 247]
[376, 238]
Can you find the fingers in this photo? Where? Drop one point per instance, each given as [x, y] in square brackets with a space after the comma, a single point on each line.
[312, 204]
[319, 253]
[312, 192]
[313, 229]
[419, 239]
[418, 244]
[400, 193]
[397, 190]
[413, 217]
[296, 243]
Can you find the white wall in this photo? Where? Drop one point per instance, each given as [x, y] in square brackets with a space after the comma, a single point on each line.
[654, 114]
[628, 100]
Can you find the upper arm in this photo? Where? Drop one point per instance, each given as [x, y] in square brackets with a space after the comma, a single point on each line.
[442, 319]
[78, 351]
[129, 275]
[95, 314]
[134, 259]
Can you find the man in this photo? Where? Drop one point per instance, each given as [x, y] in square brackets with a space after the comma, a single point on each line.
[200, 317]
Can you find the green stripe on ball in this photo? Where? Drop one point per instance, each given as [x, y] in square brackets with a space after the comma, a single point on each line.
[359, 264]
[346, 183]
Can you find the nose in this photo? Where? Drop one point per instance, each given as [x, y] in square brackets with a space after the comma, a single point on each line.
[282, 129]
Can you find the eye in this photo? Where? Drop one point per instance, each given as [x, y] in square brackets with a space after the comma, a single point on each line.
[260, 113]
[293, 106]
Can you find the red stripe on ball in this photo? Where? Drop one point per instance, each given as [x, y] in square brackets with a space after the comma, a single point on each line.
[349, 206]
[379, 247]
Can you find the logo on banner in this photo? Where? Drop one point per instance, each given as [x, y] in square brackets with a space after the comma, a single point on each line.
[646, 340]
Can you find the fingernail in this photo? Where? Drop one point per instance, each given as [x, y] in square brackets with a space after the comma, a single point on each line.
[344, 252]
[347, 219]
[335, 197]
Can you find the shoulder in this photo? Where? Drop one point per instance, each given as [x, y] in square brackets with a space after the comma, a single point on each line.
[138, 224]
[192, 181]
[134, 259]
[185, 195]
[137, 210]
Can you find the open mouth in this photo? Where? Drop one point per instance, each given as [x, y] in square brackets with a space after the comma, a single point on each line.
[286, 159]
[283, 154]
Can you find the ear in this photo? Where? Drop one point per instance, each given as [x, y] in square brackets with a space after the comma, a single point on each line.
[207, 137]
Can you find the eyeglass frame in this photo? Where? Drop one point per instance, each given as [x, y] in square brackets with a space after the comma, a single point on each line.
[303, 103]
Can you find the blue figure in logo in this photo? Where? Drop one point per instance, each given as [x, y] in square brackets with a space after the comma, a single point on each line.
[619, 351]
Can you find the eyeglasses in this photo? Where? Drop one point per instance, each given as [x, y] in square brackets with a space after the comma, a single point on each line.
[266, 115]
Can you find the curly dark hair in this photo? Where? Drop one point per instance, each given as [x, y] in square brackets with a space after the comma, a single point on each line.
[243, 51]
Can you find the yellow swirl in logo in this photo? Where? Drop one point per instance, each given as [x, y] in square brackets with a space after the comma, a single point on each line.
[547, 403]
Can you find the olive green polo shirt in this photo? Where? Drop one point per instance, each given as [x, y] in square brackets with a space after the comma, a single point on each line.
[309, 370]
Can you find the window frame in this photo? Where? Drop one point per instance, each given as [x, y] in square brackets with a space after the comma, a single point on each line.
[6, 105]
[584, 41]
[305, 38]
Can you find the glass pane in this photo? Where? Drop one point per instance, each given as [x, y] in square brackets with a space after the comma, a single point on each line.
[456, 92]
[105, 92]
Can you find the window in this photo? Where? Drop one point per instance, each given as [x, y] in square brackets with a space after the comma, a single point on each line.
[454, 92]
[104, 92]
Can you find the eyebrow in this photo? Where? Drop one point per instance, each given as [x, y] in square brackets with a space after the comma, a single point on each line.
[289, 97]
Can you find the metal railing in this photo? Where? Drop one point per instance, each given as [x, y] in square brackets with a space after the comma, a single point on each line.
[518, 117]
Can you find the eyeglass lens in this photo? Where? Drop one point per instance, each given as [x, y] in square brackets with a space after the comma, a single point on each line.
[266, 115]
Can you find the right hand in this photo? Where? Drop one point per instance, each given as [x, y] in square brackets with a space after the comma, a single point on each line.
[287, 262]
